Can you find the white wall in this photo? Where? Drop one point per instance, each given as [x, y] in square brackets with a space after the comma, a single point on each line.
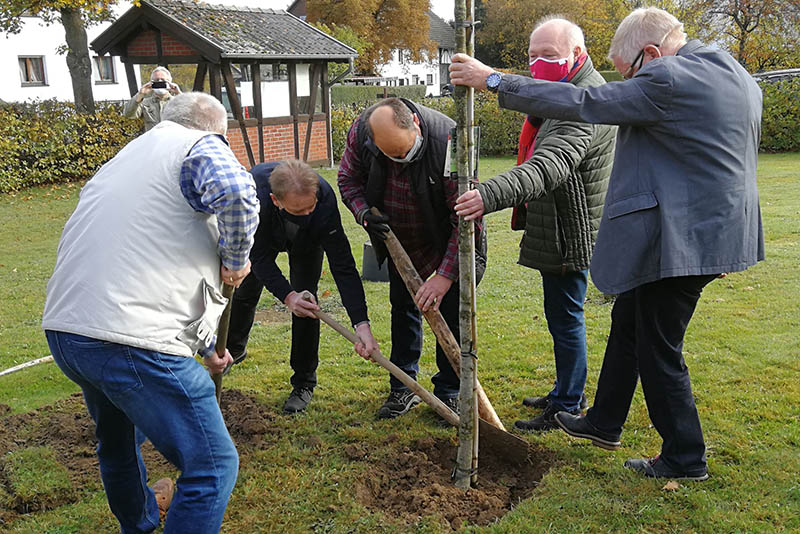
[407, 70]
[37, 39]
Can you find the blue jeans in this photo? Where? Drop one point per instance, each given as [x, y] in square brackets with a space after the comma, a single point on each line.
[563, 307]
[132, 393]
[407, 336]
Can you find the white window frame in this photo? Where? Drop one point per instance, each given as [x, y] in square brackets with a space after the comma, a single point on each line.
[100, 80]
[28, 83]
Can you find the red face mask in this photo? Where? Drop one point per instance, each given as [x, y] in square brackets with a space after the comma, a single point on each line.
[551, 70]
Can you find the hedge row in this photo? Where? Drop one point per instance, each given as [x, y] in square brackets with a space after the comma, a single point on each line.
[499, 127]
[780, 124]
[359, 94]
[49, 142]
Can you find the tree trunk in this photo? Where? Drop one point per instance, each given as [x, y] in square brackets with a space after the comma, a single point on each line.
[78, 61]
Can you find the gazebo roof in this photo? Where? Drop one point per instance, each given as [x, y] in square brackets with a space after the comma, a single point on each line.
[228, 32]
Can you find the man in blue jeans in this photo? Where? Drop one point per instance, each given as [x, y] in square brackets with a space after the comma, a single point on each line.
[574, 161]
[134, 296]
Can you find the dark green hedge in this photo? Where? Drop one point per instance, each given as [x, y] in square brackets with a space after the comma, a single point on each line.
[780, 124]
[360, 94]
[49, 142]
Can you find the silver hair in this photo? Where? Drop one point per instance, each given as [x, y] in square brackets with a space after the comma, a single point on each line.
[642, 27]
[199, 111]
[574, 33]
[164, 70]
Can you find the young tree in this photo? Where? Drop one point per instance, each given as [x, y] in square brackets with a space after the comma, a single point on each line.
[383, 25]
[74, 16]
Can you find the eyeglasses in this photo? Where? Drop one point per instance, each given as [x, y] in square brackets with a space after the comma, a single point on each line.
[640, 59]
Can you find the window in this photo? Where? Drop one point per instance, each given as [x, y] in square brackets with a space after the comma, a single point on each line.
[105, 69]
[415, 80]
[429, 79]
[31, 70]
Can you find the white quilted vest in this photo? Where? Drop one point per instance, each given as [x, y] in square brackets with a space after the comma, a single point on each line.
[136, 264]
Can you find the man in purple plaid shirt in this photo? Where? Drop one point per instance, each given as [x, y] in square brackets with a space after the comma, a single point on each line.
[395, 160]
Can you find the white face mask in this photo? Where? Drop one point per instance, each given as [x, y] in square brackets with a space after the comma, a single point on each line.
[411, 153]
[161, 92]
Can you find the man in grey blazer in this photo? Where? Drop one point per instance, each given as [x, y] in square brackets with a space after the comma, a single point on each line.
[682, 208]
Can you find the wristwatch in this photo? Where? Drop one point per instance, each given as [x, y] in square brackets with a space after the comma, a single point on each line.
[493, 81]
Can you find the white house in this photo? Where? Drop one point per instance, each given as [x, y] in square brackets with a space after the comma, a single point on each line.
[431, 72]
[33, 69]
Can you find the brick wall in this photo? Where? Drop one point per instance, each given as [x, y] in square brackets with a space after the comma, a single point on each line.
[144, 44]
[278, 142]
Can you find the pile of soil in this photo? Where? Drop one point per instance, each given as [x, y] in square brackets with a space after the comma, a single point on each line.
[412, 482]
[404, 482]
[67, 428]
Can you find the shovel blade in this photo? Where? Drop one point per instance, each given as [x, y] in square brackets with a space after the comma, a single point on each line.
[502, 444]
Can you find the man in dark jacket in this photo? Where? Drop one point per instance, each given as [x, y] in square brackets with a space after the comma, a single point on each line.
[682, 207]
[299, 214]
[395, 160]
[573, 160]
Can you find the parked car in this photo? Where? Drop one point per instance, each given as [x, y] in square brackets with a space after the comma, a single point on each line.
[776, 75]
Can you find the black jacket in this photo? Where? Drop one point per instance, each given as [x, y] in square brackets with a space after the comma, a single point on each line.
[323, 229]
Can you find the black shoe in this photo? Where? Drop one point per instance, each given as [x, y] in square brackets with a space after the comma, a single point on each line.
[542, 423]
[236, 360]
[541, 403]
[398, 403]
[537, 403]
[577, 426]
[451, 403]
[298, 400]
[655, 468]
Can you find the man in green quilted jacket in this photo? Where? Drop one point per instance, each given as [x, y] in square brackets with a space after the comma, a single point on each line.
[574, 161]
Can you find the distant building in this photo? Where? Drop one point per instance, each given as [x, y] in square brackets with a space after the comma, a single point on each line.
[33, 68]
[432, 72]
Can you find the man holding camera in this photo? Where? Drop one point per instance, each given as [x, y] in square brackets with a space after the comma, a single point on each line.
[152, 98]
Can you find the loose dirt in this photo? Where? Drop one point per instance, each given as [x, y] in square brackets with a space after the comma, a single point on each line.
[415, 481]
[403, 482]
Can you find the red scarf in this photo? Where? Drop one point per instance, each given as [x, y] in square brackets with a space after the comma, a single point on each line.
[527, 140]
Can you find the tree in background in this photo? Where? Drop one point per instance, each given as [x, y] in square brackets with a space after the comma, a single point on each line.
[380, 25]
[761, 34]
[351, 38]
[75, 16]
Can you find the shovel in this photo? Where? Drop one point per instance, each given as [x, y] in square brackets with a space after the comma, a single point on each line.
[222, 336]
[500, 442]
[444, 336]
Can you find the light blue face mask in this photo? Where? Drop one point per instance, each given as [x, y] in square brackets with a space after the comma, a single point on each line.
[411, 153]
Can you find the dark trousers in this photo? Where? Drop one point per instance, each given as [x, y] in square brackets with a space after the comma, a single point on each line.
[648, 324]
[305, 269]
[407, 335]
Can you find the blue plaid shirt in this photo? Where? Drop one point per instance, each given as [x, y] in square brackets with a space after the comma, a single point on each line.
[213, 181]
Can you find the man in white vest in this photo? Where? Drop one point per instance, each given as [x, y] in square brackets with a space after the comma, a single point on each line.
[135, 295]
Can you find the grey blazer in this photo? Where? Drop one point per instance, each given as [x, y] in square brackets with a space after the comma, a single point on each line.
[682, 199]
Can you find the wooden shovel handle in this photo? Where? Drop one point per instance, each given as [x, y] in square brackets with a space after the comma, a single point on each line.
[222, 336]
[444, 336]
[376, 355]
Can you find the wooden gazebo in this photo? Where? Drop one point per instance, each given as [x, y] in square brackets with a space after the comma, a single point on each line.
[224, 40]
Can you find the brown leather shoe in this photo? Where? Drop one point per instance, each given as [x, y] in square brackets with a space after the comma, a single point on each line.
[164, 489]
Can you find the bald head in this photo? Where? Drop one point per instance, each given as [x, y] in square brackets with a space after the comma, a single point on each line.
[393, 127]
[556, 38]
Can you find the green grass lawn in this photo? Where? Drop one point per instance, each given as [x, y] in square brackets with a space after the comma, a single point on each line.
[743, 350]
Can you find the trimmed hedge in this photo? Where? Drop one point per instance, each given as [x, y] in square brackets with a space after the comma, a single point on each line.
[47, 141]
[499, 127]
[780, 123]
[361, 94]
